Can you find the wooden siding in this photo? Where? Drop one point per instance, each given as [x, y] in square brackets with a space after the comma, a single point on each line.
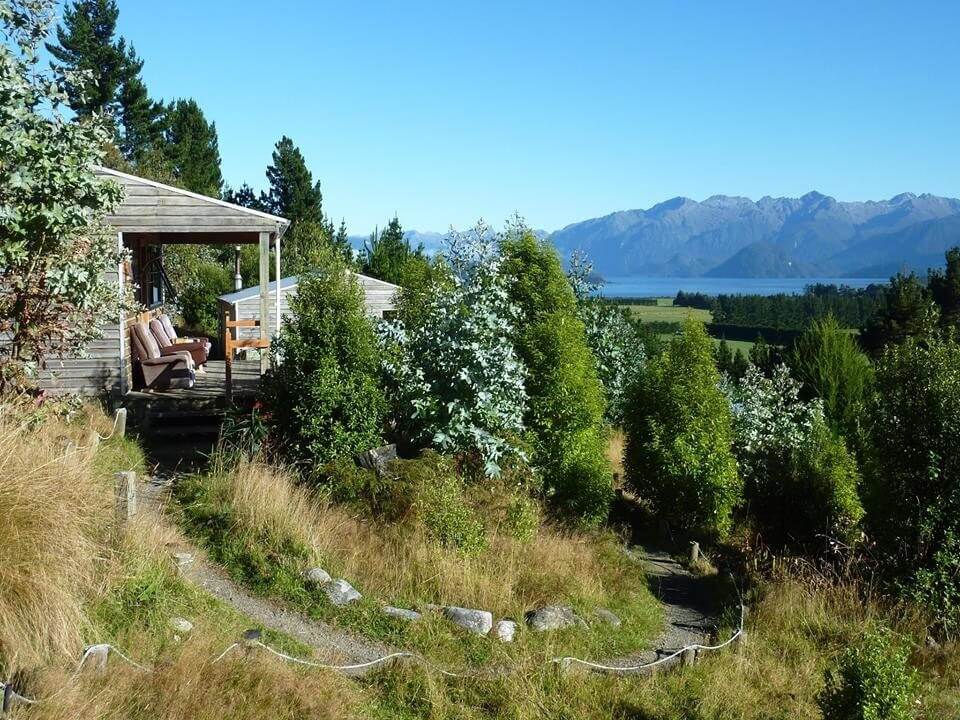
[150, 207]
[379, 297]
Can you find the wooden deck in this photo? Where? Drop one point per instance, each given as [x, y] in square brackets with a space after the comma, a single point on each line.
[179, 428]
[209, 391]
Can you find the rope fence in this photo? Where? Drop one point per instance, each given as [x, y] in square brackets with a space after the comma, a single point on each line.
[101, 651]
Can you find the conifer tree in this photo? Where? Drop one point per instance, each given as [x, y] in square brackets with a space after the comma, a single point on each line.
[192, 149]
[101, 74]
[341, 241]
[293, 194]
[246, 197]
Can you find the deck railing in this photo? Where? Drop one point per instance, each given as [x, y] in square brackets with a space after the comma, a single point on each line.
[230, 343]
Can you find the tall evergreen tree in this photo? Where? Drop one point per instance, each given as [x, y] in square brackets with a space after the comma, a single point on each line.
[944, 287]
[293, 194]
[246, 197]
[341, 241]
[192, 149]
[101, 74]
[906, 311]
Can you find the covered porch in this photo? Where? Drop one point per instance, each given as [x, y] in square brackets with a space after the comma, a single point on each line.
[154, 216]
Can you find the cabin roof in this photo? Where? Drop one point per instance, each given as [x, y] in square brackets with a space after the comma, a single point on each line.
[290, 282]
[152, 208]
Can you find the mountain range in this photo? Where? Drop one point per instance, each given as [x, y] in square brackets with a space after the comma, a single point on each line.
[811, 236]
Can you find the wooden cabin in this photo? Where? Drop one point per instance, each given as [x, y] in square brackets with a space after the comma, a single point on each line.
[379, 300]
[152, 216]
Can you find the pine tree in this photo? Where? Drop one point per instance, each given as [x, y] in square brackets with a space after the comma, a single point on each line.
[293, 194]
[944, 286]
[192, 148]
[109, 80]
[141, 120]
[906, 311]
[246, 197]
[341, 241]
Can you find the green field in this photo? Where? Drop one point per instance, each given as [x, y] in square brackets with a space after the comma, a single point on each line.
[666, 311]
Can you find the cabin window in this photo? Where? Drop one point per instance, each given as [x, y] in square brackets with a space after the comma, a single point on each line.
[148, 272]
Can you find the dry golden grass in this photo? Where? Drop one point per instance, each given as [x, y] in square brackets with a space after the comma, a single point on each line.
[188, 685]
[400, 562]
[615, 446]
[52, 510]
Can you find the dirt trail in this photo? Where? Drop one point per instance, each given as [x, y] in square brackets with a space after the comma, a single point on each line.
[690, 610]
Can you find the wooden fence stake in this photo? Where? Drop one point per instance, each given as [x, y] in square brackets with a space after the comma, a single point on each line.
[121, 430]
[694, 552]
[688, 657]
[126, 496]
[7, 698]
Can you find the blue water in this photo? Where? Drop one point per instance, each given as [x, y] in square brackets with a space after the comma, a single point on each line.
[668, 287]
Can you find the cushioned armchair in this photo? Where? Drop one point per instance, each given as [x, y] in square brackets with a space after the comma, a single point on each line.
[172, 334]
[154, 370]
[197, 350]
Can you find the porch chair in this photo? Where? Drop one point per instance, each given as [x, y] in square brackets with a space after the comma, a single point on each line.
[172, 334]
[197, 350]
[159, 370]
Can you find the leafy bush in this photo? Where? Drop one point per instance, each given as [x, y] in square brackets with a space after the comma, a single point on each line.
[197, 297]
[679, 435]
[826, 358]
[323, 390]
[913, 470]
[455, 381]
[565, 412]
[800, 480]
[871, 682]
[442, 509]
[522, 517]
[614, 337]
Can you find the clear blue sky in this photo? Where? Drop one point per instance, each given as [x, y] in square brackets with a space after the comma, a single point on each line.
[564, 111]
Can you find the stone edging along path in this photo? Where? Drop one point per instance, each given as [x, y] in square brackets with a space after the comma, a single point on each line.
[690, 612]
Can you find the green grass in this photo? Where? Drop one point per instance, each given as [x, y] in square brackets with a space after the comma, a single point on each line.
[666, 311]
[744, 345]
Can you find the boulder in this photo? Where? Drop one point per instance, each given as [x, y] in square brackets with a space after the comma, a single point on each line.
[605, 616]
[504, 630]
[401, 613]
[553, 617]
[476, 621]
[317, 576]
[341, 592]
[181, 625]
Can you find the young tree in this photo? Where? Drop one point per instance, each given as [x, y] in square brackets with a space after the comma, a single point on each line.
[679, 437]
[828, 361]
[456, 381]
[615, 339]
[913, 471]
[54, 249]
[293, 194]
[192, 149]
[323, 393]
[389, 257]
[566, 400]
[341, 242]
[905, 311]
[944, 287]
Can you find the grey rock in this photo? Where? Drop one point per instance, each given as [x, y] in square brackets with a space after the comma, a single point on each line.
[605, 616]
[476, 621]
[553, 617]
[341, 592]
[402, 613]
[181, 625]
[182, 558]
[504, 630]
[317, 576]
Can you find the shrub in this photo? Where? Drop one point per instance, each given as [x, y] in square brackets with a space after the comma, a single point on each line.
[799, 479]
[455, 381]
[679, 435]
[199, 289]
[614, 337]
[828, 361]
[443, 510]
[323, 392]
[913, 470]
[871, 682]
[522, 517]
[566, 406]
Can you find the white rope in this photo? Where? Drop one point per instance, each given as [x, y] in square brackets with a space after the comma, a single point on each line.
[116, 419]
[226, 652]
[364, 665]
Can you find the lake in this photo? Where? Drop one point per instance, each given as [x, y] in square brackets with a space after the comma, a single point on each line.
[668, 287]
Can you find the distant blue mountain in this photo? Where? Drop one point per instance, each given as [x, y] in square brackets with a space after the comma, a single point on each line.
[774, 237]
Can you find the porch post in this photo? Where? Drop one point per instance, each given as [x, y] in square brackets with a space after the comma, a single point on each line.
[264, 296]
[276, 255]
